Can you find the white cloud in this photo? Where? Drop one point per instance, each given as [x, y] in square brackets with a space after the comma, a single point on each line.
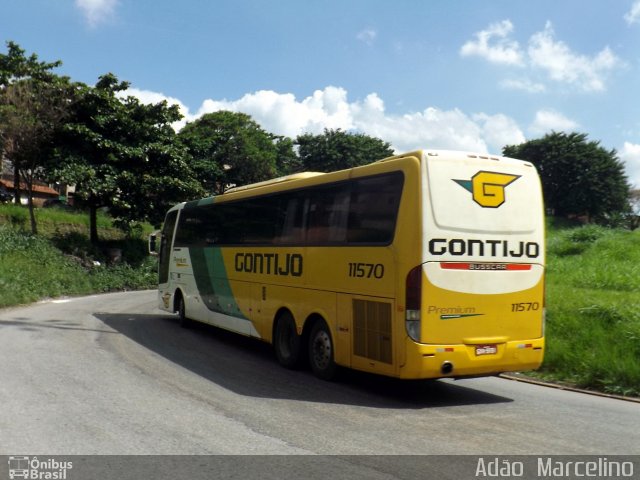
[549, 120]
[493, 45]
[367, 36]
[97, 11]
[563, 65]
[545, 56]
[630, 155]
[524, 84]
[283, 114]
[430, 128]
[633, 15]
[499, 130]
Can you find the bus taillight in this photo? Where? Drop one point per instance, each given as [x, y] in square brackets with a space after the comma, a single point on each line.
[413, 302]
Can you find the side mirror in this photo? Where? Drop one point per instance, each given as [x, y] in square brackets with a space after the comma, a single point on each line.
[153, 243]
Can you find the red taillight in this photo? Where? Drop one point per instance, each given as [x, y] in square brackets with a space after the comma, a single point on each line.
[413, 302]
[414, 289]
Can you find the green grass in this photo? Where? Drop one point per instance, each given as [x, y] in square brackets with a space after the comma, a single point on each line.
[31, 268]
[55, 220]
[593, 309]
[62, 261]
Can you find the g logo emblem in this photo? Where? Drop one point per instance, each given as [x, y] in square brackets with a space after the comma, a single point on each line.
[487, 188]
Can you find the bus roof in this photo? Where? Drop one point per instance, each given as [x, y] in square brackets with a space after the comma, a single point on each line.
[420, 154]
[274, 181]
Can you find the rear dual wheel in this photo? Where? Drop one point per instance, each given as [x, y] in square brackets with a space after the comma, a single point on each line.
[289, 347]
[321, 351]
[287, 342]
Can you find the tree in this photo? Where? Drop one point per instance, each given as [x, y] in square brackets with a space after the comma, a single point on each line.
[123, 155]
[287, 162]
[157, 173]
[33, 102]
[579, 177]
[15, 65]
[337, 150]
[230, 149]
[31, 111]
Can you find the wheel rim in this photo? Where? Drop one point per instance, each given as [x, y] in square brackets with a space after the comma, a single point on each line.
[322, 350]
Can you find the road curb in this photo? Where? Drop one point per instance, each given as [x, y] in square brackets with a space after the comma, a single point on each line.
[518, 377]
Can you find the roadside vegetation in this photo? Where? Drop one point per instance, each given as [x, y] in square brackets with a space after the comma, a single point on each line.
[592, 294]
[593, 308]
[62, 261]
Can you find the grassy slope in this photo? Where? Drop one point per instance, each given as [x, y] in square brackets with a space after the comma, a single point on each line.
[61, 261]
[593, 309]
[593, 288]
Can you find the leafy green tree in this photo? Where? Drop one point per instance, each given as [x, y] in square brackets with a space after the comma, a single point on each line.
[14, 65]
[230, 149]
[123, 155]
[287, 161]
[30, 113]
[579, 177]
[337, 150]
[33, 102]
[157, 175]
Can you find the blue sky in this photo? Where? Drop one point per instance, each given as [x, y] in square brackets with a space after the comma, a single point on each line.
[451, 74]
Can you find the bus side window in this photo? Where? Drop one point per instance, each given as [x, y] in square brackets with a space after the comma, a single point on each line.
[190, 228]
[374, 208]
[293, 208]
[261, 219]
[328, 214]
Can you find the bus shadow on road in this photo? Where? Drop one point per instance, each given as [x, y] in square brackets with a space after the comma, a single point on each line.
[248, 367]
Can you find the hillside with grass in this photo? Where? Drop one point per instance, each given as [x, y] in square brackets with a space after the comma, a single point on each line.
[592, 292]
[593, 308]
[61, 260]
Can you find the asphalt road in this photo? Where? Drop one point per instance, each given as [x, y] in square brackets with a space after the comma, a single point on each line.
[110, 374]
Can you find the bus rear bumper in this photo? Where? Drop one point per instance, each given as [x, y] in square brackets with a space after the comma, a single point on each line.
[468, 360]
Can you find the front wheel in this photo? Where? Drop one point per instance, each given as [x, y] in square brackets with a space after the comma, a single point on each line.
[182, 313]
[321, 355]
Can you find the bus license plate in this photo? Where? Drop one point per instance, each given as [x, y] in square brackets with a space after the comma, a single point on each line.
[486, 350]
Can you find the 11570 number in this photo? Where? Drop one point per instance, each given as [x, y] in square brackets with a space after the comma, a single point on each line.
[366, 270]
[525, 306]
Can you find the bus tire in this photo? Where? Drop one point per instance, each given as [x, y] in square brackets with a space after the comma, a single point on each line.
[321, 351]
[182, 312]
[287, 342]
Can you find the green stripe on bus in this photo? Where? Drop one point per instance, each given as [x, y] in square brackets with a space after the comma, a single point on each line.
[212, 281]
[199, 203]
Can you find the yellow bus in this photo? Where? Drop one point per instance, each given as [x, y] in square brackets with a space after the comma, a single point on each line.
[423, 265]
